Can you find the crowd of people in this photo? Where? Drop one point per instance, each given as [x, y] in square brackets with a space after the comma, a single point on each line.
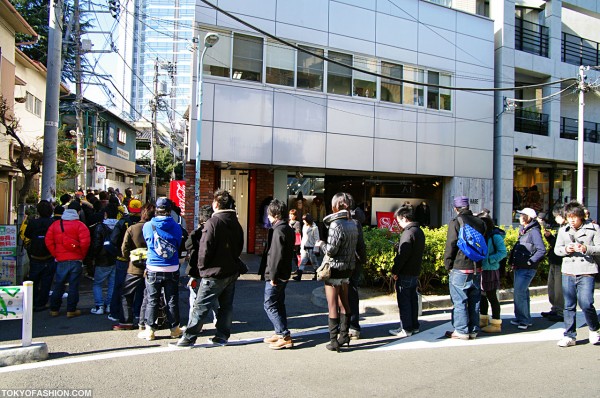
[133, 251]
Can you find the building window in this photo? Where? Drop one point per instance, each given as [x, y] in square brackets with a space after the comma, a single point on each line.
[310, 69]
[365, 85]
[280, 64]
[217, 60]
[33, 104]
[339, 78]
[433, 93]
[102, 132]
[247, 58]
[412, 94]
[445, 93]
[391, 91]
[121, 136]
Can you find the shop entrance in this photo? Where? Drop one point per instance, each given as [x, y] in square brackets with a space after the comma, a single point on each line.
[236, 182]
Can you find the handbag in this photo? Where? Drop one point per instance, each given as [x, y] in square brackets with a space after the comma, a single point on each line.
[324, 270]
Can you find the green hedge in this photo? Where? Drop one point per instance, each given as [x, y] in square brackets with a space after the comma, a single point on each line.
[380, 258]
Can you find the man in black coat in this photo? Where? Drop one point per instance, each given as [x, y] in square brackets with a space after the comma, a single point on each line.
[280, 252]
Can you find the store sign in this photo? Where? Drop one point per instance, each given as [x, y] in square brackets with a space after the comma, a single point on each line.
[177, 194]
[122, 153]
[8, 255]
[386, 220]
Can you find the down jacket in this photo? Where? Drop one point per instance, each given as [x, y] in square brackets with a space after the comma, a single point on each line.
[529, 250]
[73, 243]
[341, 241]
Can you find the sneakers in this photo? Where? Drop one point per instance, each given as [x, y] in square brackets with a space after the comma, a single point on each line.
[184, 342]
[354, 334]
[54, 313]
[123, 326]
[176, 332]
[547, 314]
[113, 318]
[455, 335]
[594, 336]
[400, 333]
[520, 325]
[271, 339]
[566, 342]
[73, 314]
[282, 342]
[217, 341]
[98, 310]
[555, 318]
[107, 310]
[147, 334]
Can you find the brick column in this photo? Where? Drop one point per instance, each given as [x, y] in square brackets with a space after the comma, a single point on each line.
[208, 185]
[264, 188]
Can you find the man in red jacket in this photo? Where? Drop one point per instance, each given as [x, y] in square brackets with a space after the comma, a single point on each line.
[68, 240]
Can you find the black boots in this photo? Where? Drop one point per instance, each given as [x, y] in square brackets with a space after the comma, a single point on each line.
[333, 345]
[344, 328]
[298, 276]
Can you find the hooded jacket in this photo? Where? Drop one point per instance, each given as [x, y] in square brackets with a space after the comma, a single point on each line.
[102, 232]
[68, 238]
[280, 252]
[341, 240]
[496, 250]
[454, 258]
[168, 229]
[579, 263]
[529, 250]
[220, 245]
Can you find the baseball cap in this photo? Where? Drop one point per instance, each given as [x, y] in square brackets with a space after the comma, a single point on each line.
[135, 206]
[164, 203]
[528, 211]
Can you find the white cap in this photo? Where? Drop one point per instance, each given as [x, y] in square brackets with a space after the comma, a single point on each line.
[528, 211]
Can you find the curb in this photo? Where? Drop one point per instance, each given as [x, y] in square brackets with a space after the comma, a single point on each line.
[15, 355]
[387, 304]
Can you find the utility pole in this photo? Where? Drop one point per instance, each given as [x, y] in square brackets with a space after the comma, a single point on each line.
[154, 108]
[78, 96]
[583, 87]
[52, 100]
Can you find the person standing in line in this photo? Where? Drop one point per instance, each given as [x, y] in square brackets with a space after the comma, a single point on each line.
[278, 272]
[219, 266]
[406, 270]
[528, 252]
[68, 241]
[358, 216]
[465, 274]
[105, 261]
[578, 243]
[555, 291]
[163, 237]
[297, 227]
[310, 234]
[341, 248]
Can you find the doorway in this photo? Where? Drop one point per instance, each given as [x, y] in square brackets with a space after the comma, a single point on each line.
[236, 182]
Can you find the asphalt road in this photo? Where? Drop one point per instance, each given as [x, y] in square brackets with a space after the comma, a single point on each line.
[85, 353]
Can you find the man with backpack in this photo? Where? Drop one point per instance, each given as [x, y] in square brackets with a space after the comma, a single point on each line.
[104, 258]
[41, 263]
[465, 248]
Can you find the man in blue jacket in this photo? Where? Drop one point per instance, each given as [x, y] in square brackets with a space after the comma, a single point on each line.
[163, 236]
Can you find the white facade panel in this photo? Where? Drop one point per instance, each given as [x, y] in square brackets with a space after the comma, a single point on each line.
[474, 163]
[350, 118]
[436, 62]
[208, 103]
[206, 15]
[206, 142]
[471, 74]
[228, 23]
[264, 9]
[303, 35]
[474, 105]
[236, 104]
[395, 156]
[474, 50]
[472, 134]
[300, 112]
[347, 20]
[406, 9]
[349, 153]
[438, 42]
[469, 25]
[351, 44]
[397, 32]
[297, 147]
[435, 160]
[435, 129]
[434, 15]
[395, 123]
[367, 4]
[242, 143]
[310, 14]
[395, 53]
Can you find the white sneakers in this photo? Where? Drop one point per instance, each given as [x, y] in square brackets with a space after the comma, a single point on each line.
[98, 310]
[594, 336]
[566, 342]
[400, 333]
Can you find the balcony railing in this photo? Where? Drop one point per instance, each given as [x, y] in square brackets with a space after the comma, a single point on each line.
[569, 129]
[531, 122]
[579, 51]
[531, 37]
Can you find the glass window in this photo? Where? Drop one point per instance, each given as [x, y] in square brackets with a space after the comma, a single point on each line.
[280, 64]
[391, 91]
[365, 85]
[433, 93]
[217, 58]
[445, 94]
[247, 58]
[339, 78]
[122, 136]
[310, 69]
[413, 94]
[102, 132]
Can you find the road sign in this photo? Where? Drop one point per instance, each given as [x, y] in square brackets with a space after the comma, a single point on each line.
[101, 172]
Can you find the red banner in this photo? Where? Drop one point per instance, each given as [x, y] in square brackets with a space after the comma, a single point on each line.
[177, 194]
[386, 220]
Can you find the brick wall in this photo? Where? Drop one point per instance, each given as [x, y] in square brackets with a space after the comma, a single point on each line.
[208, 184]
[264, 188]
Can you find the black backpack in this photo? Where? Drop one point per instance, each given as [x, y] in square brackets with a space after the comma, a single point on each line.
[37, 245]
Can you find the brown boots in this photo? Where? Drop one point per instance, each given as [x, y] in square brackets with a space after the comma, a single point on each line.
[484, 320]
[495, 326]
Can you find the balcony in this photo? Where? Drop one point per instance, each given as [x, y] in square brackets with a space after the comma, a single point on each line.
[531, 122]
[579, 51]
[569, 130]
[531, 37]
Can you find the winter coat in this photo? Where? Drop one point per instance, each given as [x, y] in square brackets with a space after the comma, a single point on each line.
[454, 258]
[221, 245]
[68, 238]
[409, 259]
[100, 241]
[168, 229]
[341, 241]
[134, 239]
[192, 244]
[118, 233]
[529, 250]
[281, 252]
[496, 251]
[553, 258]
[579, 263]
[310, 234]
[36, 232]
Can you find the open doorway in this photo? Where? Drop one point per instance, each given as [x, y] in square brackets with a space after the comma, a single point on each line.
[236, 182]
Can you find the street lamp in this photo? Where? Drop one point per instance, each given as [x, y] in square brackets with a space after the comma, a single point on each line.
[210, 39]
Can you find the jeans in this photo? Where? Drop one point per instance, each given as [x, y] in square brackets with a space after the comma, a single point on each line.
[408, 302]
[555, 291]
[579, 290]
[522, 280]
[66, 271]
[353, 299]
[101, 275]
[133, 289]
[275, 307]
[115, 302]
[156, 282]
[305, 255]
[213, 292]
[465, 292]
[41, 274]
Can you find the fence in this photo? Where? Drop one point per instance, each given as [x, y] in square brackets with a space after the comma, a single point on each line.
[16, 302]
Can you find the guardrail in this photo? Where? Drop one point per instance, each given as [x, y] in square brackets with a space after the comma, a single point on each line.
[16, 302]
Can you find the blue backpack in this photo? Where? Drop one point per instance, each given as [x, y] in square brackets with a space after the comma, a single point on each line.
[471, 242]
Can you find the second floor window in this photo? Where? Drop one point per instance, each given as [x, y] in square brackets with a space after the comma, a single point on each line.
[339, 78]
[247, 58]
[122, 136]
[33, 104]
